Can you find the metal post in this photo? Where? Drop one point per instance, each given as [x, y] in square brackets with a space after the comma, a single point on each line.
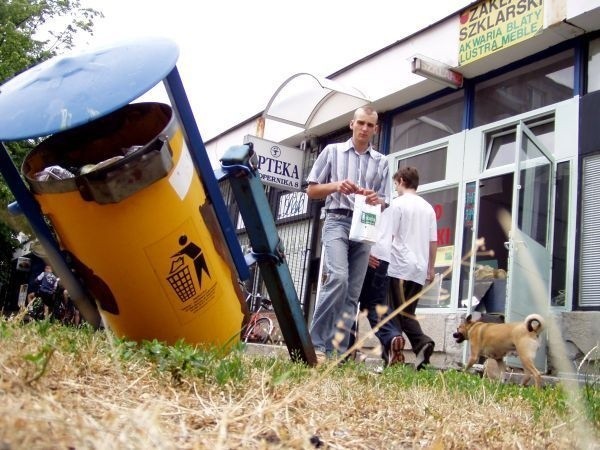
[267, 249]
[183, 110]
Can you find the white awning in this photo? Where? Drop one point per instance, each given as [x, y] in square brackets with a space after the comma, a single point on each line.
[305, 101]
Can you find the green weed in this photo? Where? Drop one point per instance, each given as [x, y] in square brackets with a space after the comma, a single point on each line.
[235, 367]
[40, 361]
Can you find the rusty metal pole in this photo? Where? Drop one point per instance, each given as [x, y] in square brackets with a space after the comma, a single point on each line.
[260, 127]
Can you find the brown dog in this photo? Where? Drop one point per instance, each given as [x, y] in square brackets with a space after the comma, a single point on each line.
[495, 340]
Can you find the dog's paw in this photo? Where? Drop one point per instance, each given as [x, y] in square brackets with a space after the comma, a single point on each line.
[478, 368]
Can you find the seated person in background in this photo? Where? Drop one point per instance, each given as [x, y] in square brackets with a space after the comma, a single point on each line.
[35, 307]
[65, 310]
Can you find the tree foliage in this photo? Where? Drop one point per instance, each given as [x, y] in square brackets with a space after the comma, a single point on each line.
[32, 31]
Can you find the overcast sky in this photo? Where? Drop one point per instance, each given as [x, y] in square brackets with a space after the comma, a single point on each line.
[234, 54]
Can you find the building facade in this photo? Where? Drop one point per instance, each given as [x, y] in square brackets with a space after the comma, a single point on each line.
[497, 106]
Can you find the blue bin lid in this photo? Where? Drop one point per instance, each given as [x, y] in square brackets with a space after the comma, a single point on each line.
[71, 90]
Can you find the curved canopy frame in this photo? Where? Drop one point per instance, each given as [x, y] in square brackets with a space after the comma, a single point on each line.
[305, 100]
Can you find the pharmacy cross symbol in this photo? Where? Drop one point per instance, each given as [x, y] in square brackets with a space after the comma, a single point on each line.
[180, 275]
[275, 151]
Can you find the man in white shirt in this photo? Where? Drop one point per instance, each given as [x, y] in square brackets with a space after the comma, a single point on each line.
[414, 247]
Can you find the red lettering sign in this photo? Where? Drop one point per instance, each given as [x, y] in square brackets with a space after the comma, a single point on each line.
[439, 211]
[443, 236]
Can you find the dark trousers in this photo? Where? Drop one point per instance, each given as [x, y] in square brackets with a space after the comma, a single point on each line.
[374, 293]
[47, 299]
[402, 291]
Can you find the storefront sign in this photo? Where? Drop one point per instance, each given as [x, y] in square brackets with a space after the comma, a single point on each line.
[278, 165]
[444, 256]
[437, 71]
[469, 205]
[492, 25]
[444, 225]
[23, 264]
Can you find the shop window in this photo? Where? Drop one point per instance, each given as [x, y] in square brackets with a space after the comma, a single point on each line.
[487, 249]
[426, 123]
[534, 207]
[593, 74]
[431, 165]
[530, 87]
[561, 227]
[444, 203]
[501, 145]
[501, 150]
[467, 242]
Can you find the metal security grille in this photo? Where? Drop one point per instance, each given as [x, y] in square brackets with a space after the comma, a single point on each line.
[296, 238]
[589, 288]
[293, 218]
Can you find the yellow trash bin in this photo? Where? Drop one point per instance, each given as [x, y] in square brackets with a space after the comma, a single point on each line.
[128, 206]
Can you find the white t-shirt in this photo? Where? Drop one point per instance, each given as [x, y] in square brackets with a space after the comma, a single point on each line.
[414, 227]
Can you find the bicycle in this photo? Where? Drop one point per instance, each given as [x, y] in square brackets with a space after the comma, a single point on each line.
[260, 327]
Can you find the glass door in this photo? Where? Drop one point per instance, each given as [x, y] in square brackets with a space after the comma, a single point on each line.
[530, 230]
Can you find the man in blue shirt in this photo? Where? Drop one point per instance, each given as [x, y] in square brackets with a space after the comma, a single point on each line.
[48, 282]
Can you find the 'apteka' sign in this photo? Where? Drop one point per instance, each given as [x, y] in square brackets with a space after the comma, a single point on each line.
[278, 165]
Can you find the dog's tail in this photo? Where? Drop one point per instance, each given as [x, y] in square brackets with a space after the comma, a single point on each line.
[534, 323]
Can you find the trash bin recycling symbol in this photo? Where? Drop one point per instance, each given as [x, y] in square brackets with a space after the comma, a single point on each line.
[180, 275]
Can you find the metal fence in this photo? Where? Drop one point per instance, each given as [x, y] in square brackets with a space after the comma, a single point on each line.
[293, 216]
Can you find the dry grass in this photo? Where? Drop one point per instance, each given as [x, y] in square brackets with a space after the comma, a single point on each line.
[65, 388]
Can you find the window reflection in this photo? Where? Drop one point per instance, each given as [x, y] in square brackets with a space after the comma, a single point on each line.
[428, 122]
[594, 66]
[431, 165]
[533, 86]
